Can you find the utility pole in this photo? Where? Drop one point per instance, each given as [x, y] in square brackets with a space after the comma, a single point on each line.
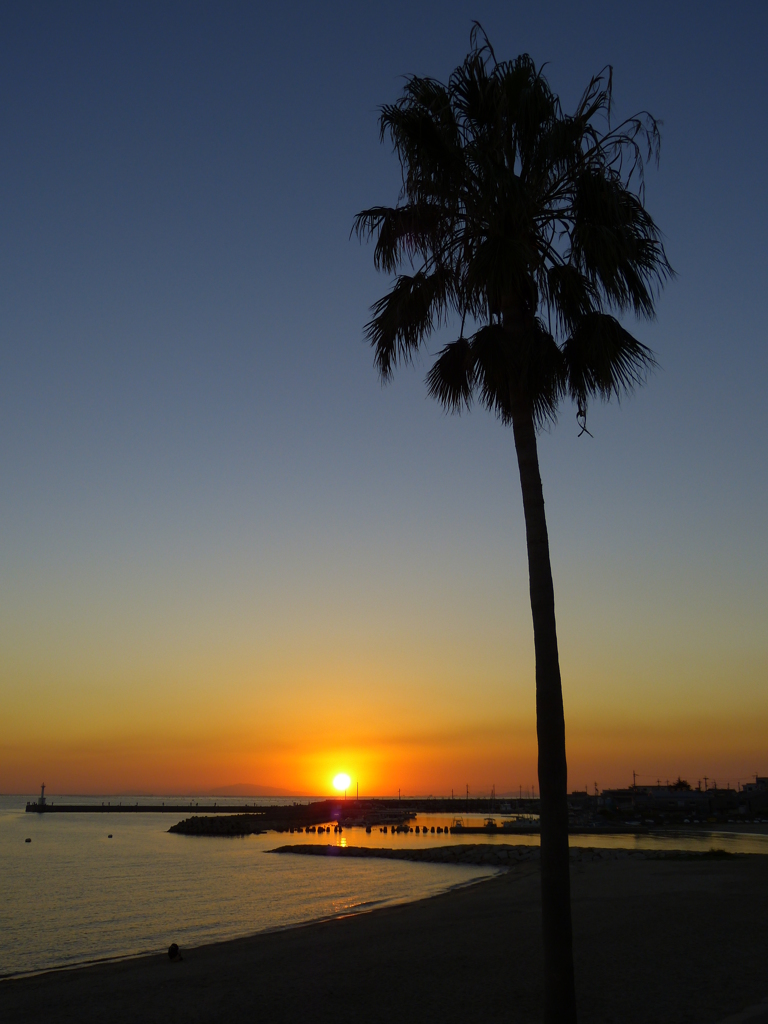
[634, 780]
[706, 780]
[467, 798]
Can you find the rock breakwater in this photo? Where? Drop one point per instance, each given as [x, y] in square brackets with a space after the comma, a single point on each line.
[492, 854]
[228, 825]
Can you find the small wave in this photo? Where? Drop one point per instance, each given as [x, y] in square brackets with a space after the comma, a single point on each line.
[75, 964]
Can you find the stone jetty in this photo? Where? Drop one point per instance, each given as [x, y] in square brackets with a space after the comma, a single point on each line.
[493, 854]
[228, 825]
[467, 853]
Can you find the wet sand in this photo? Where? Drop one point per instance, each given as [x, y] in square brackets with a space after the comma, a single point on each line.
[674, 942]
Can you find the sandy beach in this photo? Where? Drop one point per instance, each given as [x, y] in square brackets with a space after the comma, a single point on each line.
[669, 941]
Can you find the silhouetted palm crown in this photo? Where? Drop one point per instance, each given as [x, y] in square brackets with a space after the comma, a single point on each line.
[526, 224]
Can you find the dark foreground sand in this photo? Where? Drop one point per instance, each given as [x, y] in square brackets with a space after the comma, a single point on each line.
[656, 941]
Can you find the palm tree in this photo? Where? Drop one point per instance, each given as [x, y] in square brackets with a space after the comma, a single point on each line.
[528, 227]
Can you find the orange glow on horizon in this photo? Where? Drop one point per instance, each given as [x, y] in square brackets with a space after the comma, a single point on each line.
[502, 755]
[411, 732]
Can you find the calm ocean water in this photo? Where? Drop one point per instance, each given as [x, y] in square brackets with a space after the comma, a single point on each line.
[73, 895]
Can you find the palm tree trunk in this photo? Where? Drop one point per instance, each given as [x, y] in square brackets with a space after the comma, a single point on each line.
[560, 996]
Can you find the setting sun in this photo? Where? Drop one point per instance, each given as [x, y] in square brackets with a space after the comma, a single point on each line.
[341, 782]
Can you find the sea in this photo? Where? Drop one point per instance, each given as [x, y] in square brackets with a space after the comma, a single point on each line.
[95, 887]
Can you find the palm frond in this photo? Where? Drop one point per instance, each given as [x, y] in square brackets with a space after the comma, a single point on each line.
[402, 233]
[525, 364]
[569, 293]
[604, 360]
[615, 243]
[451, 378]
[405, 317]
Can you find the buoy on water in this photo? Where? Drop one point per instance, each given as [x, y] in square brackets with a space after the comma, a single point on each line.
[109, 836]
[27, 840]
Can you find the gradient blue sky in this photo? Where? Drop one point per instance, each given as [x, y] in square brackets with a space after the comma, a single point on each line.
[226, 553]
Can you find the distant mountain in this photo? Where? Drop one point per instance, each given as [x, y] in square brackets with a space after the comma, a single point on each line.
[247, 789]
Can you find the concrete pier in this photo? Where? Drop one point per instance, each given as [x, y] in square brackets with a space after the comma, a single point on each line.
[35, 807]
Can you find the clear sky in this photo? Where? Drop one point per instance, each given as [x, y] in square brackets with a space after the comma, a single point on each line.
[227, 554]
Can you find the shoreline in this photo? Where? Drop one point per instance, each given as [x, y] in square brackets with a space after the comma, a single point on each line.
[667, 940]
[368, 907]
[495, 857]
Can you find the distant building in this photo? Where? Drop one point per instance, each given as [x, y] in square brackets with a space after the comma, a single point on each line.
[754, 796]
[677, 798]
[760, 785]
